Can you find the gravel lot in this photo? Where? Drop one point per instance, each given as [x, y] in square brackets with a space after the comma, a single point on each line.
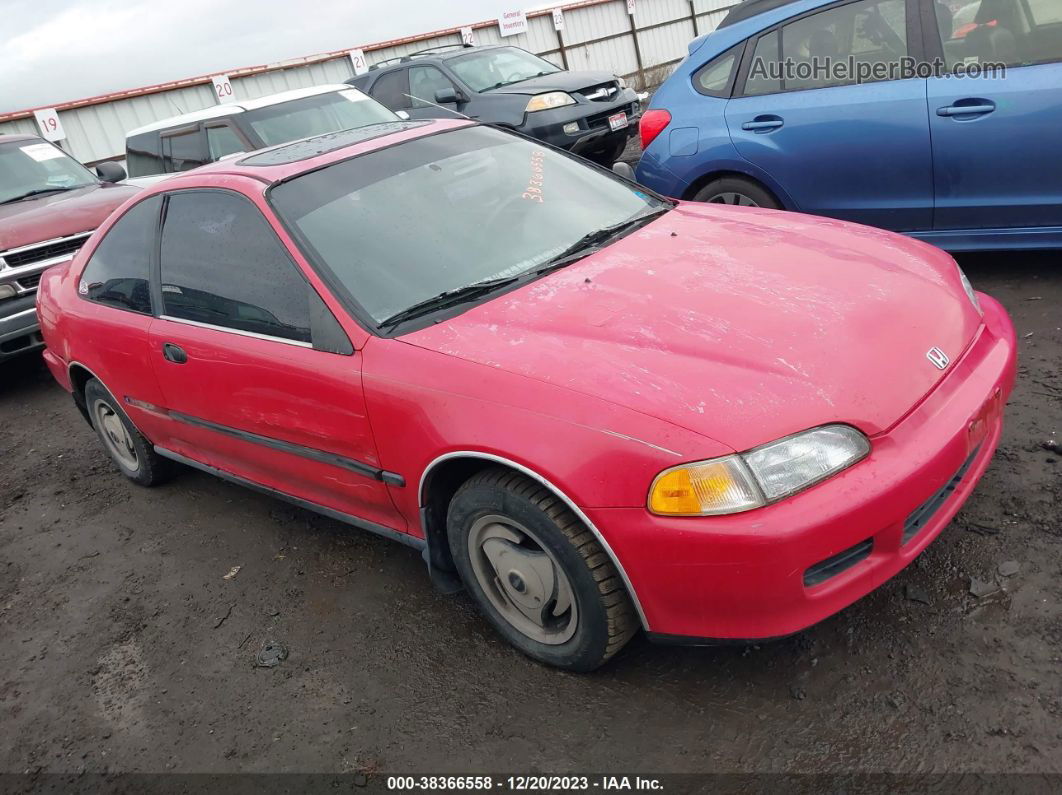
[123, 647]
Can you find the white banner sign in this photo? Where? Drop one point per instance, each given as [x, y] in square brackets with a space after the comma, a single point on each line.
[50, 126]
[468, 37]
[511, 23]
[630, 7]
[223, 89]
[558, 19]
[361, 65]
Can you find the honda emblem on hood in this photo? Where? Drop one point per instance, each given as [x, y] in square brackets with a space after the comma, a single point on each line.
[939, 359]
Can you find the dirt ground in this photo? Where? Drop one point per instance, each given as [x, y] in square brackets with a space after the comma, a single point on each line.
[123, 647]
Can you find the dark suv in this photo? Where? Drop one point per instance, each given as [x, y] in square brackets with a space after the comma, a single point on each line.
[589, 113]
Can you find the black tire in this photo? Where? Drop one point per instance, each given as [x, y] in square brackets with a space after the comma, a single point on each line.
[142, 465]
[748, 193]
[609, 154]
[605, 616]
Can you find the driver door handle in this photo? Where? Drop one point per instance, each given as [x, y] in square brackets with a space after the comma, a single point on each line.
[763, 124]
[174, 353]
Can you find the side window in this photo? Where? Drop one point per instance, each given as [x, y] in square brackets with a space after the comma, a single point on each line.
[184, 150]
[143, 155]
[1005, 32]
[763, 77]
[424, 81]
[847, 44]
[715, 78]
[222, 140]
[118, 272]
[390, 90]
[222, 265]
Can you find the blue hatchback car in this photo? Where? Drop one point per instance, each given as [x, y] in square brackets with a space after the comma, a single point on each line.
[942, 120]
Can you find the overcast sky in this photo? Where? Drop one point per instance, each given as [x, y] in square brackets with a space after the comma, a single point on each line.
[52, 51]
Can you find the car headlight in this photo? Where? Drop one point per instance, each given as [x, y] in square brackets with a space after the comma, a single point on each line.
[554, 99]
[622, 82]
[741, 482]
[969, 290]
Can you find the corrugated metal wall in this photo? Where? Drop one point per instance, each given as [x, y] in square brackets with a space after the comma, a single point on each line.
[596, 35]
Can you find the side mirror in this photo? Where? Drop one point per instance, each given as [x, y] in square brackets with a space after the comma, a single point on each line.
[110, 172]
[621, 169]
[402, 115]
[446, 96]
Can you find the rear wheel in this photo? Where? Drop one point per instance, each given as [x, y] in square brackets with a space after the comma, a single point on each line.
[539, 575]
[738, 192]
[134, 455]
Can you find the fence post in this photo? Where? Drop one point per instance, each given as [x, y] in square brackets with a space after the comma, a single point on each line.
[563, 51]
[693, 18]
[637, 52]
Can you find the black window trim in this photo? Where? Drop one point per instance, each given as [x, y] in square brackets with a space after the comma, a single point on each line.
[156, 276]
[914, 11]
[151, 260]
[727, 92]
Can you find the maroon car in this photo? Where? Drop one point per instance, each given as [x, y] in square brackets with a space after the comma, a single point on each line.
[49, 205]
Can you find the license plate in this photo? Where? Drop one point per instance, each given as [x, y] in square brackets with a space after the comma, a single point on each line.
[617, 121]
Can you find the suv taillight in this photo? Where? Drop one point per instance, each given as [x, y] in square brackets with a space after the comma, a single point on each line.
[652, 124]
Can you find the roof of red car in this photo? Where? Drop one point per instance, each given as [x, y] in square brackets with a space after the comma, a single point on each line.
[297, 157]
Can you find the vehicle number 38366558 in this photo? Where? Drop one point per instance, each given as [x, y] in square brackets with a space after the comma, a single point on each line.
[534, 185]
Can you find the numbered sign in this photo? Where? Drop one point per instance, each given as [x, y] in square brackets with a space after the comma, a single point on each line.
[223, 89]
[468, 37]
[49, 124]
[558, 19]
[510, 23]
[630, 7]
[361, 65]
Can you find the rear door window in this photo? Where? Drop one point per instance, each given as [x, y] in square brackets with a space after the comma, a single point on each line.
[118, 272]
[860, 42]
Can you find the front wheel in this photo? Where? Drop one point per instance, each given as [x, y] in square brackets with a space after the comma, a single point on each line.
[539, 575]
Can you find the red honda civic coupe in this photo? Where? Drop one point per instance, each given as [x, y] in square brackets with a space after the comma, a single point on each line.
[596, 409]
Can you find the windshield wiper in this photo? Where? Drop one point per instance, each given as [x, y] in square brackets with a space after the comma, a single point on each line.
[591, 243]
[34, 192]
[520, 80]
[448, 298]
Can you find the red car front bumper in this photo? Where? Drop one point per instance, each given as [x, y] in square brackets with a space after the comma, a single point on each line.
[780, 569]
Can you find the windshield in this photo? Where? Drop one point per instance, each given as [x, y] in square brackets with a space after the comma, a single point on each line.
[400, 225]
[499, 66]
[32, 167]
[317, 115]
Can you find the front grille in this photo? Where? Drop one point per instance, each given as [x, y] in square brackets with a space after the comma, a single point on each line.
[922, 515]
[601, 119]
[58, 248]
[29, 282]
[602, 92]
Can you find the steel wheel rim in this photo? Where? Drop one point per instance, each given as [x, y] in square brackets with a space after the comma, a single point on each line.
[115, 436]
[733, 198]
[522, 580]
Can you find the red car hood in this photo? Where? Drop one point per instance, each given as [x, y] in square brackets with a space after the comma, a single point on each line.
[742, 325]
[58, 214]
